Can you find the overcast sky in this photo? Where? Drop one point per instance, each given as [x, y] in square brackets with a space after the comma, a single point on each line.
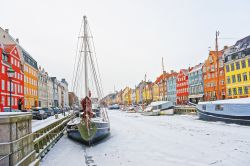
[130, 36]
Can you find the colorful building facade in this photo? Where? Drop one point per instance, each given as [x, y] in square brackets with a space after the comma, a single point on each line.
[162, 84]
[182, 87]
[127, 96]
[43, 88]
[30, 81]
[156, 92]
[214, 85]
[195, 84]
[171, 87]
[10, 58]
[148, 92]
[237, 69]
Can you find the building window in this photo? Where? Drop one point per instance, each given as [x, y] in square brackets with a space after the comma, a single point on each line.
[240, 90]
[233, 79]
[239, 77]
[227, 68]
[237, 65]
[235, 91]
[229, 92]
[3, 100]
[3, 69]
[4, 56]
[243, 64]
[244, 75]
[246, 90]
[3, 85]
[232, 67]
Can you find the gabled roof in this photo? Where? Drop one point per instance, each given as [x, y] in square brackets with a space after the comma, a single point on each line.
[12, 49]
[196, 68]
[243, 43]
[161, 77]
[184, 71]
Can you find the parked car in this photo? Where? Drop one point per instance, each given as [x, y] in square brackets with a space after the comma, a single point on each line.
[56, 110]
[39, 113]
[49, 111]
[7, 109]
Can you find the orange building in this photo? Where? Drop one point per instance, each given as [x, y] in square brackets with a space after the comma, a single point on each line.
[162, 83]
[210, 70]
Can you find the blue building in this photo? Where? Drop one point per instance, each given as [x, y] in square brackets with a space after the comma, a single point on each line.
[171, 87]
[196, 85]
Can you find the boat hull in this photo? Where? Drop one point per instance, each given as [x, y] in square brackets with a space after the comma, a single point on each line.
[103, 131]
[208, 116]
[167, 112]
[151, 113]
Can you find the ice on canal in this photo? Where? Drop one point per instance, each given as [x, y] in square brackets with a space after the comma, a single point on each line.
[138, 140]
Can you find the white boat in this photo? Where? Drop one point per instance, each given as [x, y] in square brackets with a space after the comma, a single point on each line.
[230, 111]
[158, 108]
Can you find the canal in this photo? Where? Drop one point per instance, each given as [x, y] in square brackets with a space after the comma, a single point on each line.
[138, 140]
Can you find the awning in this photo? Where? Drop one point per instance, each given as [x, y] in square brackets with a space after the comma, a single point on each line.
[196, 96]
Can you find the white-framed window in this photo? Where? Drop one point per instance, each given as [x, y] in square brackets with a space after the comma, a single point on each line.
[3, 100]
[3, 69]
[3, 85]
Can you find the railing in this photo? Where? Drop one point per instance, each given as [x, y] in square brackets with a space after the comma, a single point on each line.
[45, 138]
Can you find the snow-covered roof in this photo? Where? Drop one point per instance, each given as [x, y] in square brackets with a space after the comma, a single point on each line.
[197, 67]
[229, 101]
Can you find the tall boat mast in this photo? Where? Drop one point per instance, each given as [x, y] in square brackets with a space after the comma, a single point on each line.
[85, 56]
[218, 65]
[163, 79]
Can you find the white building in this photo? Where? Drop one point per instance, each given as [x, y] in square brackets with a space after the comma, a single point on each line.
[42, 88]
[65, 92]
[50, 93]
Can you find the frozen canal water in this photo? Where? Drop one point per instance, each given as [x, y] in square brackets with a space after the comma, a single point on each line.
[138, 140]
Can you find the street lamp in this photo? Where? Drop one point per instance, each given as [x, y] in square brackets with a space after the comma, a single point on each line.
[10, 73]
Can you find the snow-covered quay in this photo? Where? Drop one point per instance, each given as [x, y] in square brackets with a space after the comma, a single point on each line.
[177, 140]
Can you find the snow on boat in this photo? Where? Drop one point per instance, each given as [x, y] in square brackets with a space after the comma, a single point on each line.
[100, 129]
[229, 111]
[159, 108]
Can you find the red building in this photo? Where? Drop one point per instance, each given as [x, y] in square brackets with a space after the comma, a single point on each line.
[182, 87]
[10, 56]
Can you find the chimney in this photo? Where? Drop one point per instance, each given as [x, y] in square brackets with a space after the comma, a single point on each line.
[7, 31]
[17, 40]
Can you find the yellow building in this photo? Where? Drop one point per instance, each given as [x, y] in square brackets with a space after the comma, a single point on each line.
[156, 92]
[127, 96]
[30, 81]
[137, 95]
[237, 73]
[147, 93]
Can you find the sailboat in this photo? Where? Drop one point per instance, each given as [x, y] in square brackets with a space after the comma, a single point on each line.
[93, 124]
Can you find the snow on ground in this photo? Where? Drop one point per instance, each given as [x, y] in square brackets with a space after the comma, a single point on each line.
[138, 140]
[38, 124]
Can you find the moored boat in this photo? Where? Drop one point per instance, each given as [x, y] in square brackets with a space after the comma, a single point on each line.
[159, 108]
[100, 128]
[229, 111]
[92, 125]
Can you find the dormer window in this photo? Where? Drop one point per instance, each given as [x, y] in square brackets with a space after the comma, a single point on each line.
[4, 56]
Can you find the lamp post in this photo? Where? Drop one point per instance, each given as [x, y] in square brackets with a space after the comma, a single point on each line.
[10, 73]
